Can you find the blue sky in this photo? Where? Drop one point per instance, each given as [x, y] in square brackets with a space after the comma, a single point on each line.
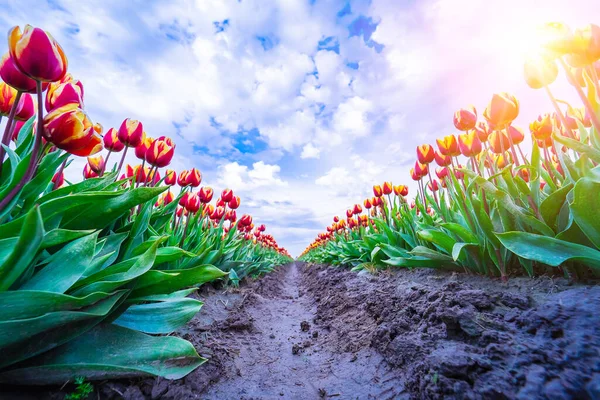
[299, 106]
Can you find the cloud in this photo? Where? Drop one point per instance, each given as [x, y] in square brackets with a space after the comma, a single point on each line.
[242, 178]
[310, 151]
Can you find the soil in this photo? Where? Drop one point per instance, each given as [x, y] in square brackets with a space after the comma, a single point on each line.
[311, 332]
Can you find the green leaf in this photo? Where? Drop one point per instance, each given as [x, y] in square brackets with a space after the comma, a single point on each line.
[59, 236]
[550, 207]
[586, 208]
[161, 282]
[161, 317]
[548, 250]
[68, 265]
[438, 238]
[108, 352]
[24, 251]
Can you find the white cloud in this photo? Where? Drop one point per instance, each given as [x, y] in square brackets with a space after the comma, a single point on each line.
[310, 151]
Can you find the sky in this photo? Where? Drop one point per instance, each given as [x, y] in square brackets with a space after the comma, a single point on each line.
[299, 106]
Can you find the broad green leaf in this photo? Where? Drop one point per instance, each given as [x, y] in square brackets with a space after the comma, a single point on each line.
[161, 282]
[160, 317]
[550, 207]
[586, 208]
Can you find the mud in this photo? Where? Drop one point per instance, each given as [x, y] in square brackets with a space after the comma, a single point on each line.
[312, 332]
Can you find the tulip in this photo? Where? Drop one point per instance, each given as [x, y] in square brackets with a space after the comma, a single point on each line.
[524, 174]
[194, 177]
[516, 135]
[245, 220]
[17, 129]
[70, 129]
[387, 188]
[181, 211]
[558, 38]
[26, 108]
[218, 214]
[231, 216]
[349, 213]
[160, 153]
[112, 142]
[182, 178]
[168, 198]
[483, 131]
[37, 54]
[448, 146]
[501, 111]
[502, 160]
[401, 190]
[131, 133]
[421, 169]
[7, 98]
[60, 94]
[433, 186]
[367, 203]
[442, 173]
[541, 128]
[357, 209]
[206, 194]
[425, 154]
[469, 144]
[540, 72]
[377, 201]
[59, 179]
[170, 177]
[465, 118]
[586, 42]
[96, 164]
[234, 203]
[499, 142]
[193, 203]
[142, 148]
[442, 160]
[227, 195]
[377, 191]
[459, 174]
[15, 78]
[576, 77]
[414, 175]
[220, 202]
[88, 172]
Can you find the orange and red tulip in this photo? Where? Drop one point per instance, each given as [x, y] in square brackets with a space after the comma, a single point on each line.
[245, 220]
[170, 177]
[160, 153]
[88, 172]
[377, 191]
[421, 169]
[516, 134]
[448, 146]
[131, 132]
[142, 148]
[70, 129]
[96, 163]
[442, 173]
[218, 214]
[442, 160]
[227, 195]
[7, 98]
[37, 54]
[501, 110]
[357, 209]
[182, 178]
[541, 128]
[194, 178]
[499, 142]
[425, 153]
[206, 194]
[433, 186]
[367, 203]
[193, 203]
[524, 174]
[387, 188]
[112, 142]
[401, 190]
[349, 213]
[60, 94]
[234, 203]
[483, 131]
[168, 198]
[465, 118]
[414, 175]
[469, 144]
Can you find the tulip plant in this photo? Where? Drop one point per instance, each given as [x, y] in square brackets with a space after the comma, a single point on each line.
[93, 273]
[494, 209]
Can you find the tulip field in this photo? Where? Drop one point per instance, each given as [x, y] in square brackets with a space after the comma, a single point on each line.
[496, 199]
[94, 274]
[101, 276]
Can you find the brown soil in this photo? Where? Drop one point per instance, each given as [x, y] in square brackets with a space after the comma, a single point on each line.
[310, 332]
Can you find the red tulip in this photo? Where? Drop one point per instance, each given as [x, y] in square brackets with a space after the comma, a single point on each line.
[60, 94]
[142, 148]
[182, 178]
[465, 118]
[170, 177]
[433, 186]
[421, 169]
[442, 173]
[234, 203]
[192, 203]
[387, 188]
[227, 195]
[15, 78]
[336, 219]
[111, 141]
[377, 191]
[245, 220]
[425, 154]
[349, 213]
[88, 172]
[26, 108]
[367, 204]
[131, 133]
[502, 110]
[70, 129]
[160, 153]
[469, 144]
[168, 198]
[231, 216]
[58, 179]
[414, 175]
[220, 203]
[218, 214]
[459, 174]
[194, 177]
[206, 194]
[37, 54]
[442, 160]
[401, 190]
[357, 209]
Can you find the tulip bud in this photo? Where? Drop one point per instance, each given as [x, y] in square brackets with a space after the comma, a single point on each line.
[168, 198]
[194, 178]
[70, 129]
[524, 174]
[433, 186]
[540, 72]
[483, 131]
[541, 128]
[425, 154]
[469, 144]
[234, 203]
[231, 216]
[15, 78]
[377, 191]
[401, 190]
[218, 214]
[499, 142]
[448, 146]
[60, 94]
[367, 204]
[516, 134]
[206, 194]
[442, 173]
[58, 179]
[501, 111]
[357, 209]
[336, 219]
[349, 213]
[88, 172]
[37, 54]
[245, 220]
[502, 160]
[131, 132]
[111, 141]
[96, 164]
[26, 108]
[465, 118]
[142, 148]
[160, 153]
[7, 98]
[387, 188]
[421, 169]
[227, 195]
[170, 177]
[192, 203]
[442, 160]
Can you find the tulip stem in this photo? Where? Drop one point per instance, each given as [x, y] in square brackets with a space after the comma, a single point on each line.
[105, 163]
[594, 78]
[7, 128]
[583, 97]
[121, 163]
[512, 146]
[33, 156]
[562, 118]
